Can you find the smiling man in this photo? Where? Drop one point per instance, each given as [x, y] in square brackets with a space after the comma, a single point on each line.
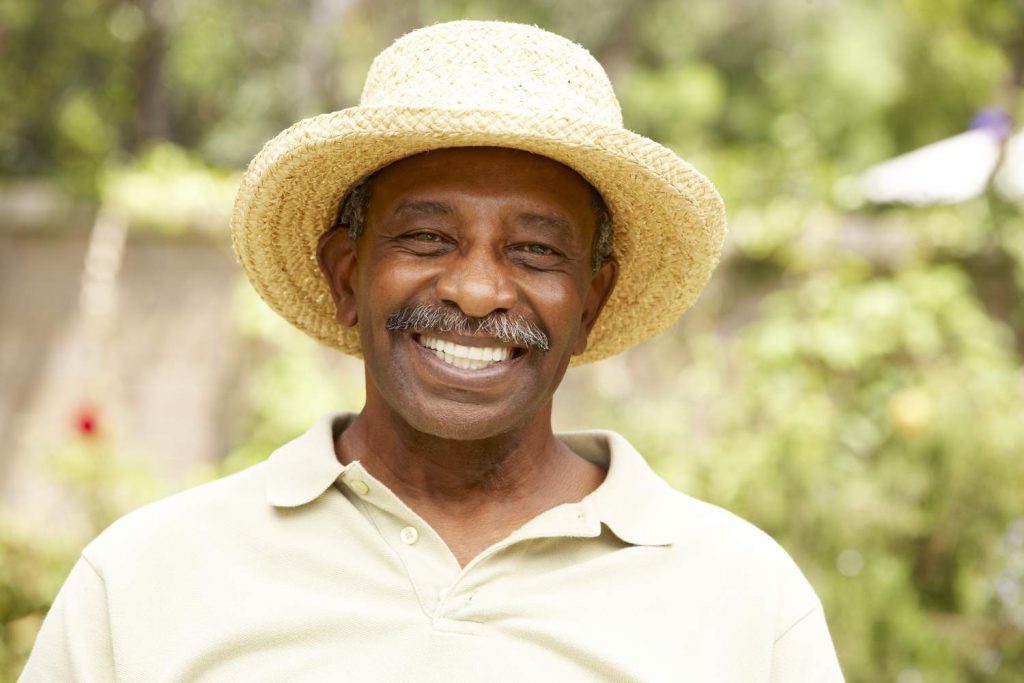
[481, 284]
[477, 224]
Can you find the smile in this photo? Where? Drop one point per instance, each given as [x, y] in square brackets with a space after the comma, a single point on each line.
[465, 357]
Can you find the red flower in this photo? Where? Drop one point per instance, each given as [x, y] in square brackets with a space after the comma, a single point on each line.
[86, 421]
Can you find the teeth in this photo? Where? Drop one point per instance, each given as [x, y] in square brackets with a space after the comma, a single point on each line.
[466, 357]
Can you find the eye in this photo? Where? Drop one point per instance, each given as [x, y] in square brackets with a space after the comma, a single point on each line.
[538, 249]
[537, 255]
[425, 242]
[424, 236]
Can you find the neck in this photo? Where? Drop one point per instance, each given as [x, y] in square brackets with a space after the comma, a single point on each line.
[473, 493]
[417, 466]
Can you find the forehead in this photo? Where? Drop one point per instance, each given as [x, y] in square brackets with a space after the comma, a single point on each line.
[484, 172]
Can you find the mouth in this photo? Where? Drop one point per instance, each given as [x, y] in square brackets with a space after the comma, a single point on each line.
[467, 357]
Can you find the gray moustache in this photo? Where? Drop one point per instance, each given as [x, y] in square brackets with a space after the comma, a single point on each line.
[509, 329]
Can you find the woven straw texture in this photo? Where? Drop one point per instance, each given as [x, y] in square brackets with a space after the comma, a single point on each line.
[469, 83]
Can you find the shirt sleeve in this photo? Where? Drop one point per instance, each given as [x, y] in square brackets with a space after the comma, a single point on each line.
[73, 644]
[804, 652]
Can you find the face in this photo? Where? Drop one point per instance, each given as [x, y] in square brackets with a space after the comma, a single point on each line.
[483, 240]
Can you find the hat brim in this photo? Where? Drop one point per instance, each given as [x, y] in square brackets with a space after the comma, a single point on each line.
[669, 221]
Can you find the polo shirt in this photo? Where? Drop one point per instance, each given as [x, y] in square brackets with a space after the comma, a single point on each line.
[303, 569]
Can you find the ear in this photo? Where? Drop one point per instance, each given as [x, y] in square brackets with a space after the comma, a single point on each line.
[336, 254]
[602, 283]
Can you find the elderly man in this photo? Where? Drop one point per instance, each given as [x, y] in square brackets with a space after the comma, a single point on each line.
[478, 223]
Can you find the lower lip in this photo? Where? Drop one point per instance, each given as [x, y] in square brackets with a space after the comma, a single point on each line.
[463, 377]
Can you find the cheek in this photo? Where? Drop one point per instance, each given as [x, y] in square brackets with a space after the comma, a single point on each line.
[388, 285]
[559, 307]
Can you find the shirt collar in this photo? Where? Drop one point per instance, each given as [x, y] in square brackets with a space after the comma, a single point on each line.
[302, 469]
[633, 501]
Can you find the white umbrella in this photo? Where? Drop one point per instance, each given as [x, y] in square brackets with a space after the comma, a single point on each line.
[955, 169]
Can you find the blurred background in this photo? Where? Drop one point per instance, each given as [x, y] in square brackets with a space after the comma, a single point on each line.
[851, 381]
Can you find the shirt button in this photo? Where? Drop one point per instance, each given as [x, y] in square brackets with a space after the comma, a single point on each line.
[409, 535]
[359, 486]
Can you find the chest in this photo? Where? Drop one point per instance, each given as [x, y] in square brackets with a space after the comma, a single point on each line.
[545, 609]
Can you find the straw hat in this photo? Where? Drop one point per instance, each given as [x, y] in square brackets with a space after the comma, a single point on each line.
[472, 83]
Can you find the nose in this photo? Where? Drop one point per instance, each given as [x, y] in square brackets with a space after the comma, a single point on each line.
[476, 282]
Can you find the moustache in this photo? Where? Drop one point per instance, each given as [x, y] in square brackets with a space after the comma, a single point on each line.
[508, 328]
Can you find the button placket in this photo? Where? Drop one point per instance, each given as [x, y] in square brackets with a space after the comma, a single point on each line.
[428, 563]
[432, 570]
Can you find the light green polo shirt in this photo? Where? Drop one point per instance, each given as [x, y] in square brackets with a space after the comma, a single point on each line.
[302, 569]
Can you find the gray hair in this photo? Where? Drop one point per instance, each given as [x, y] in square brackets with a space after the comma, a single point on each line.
[352, 217]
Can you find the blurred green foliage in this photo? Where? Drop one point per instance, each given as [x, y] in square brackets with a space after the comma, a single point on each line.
[32, 568]
[873, 426]
[170, 191]
[289, 391]
[852, 380]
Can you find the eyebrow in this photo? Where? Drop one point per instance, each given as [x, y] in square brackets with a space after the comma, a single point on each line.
[423, 207]
[427, 207]
[554, 223]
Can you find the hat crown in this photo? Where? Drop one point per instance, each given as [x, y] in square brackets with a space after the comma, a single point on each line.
[492, 66]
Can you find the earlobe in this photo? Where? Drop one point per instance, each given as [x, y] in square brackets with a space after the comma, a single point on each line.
[336, 254]
[602, 283]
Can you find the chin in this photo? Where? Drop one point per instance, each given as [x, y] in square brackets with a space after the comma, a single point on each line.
[464, 422]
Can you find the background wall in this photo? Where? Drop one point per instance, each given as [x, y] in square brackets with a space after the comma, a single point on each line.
[851, 381]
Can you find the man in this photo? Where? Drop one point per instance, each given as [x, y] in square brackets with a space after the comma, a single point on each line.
[478, 223]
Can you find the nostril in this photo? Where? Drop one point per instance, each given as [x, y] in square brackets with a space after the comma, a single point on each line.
[477, 286]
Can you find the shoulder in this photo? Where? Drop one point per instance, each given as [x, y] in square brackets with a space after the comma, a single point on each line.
[734, 552]
[699, 524]
[193, 517]
[709, 546]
